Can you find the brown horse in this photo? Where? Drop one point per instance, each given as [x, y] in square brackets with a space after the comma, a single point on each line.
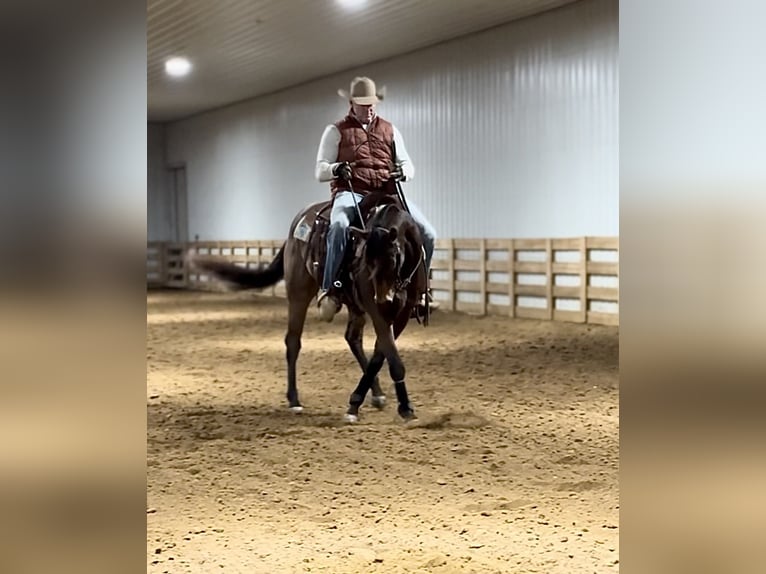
[383, 278]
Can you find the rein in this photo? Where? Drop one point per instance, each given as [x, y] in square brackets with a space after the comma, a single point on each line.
[402, 284]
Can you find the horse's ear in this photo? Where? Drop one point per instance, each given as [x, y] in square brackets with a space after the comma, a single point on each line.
[358, 234]
[393, 233]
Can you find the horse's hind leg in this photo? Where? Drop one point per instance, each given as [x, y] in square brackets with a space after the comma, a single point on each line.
[298, 304]
[354, 333]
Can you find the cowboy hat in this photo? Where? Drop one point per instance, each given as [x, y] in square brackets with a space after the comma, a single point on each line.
[363, 92]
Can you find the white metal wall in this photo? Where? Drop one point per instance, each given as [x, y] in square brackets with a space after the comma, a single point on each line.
[513, 132]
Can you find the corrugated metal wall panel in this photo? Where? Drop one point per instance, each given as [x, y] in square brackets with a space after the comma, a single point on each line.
[513, 132]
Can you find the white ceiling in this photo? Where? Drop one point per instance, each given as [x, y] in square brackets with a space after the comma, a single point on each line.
[245, 48]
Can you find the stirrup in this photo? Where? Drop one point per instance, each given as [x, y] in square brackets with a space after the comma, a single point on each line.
[325, 294]
[329, 305]
[431, 302]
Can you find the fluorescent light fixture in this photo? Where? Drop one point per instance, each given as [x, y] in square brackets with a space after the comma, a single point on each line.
[177, 67]
[352, 4]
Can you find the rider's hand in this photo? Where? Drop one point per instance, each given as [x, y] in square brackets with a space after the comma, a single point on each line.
[397, 174]
[342, 170]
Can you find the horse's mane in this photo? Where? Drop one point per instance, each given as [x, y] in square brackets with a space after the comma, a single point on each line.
[388, 214]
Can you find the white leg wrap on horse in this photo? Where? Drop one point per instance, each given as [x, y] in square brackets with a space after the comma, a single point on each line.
[349, 418]
[296, 410]
[379, 401]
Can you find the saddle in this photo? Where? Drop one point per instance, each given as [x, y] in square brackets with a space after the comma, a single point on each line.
[312, 225]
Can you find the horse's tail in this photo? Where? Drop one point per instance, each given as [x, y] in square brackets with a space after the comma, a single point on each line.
[242, 278]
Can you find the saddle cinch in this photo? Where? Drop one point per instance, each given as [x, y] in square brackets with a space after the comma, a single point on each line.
[311, 229]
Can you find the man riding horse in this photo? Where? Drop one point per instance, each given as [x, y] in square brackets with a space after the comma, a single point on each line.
[386, 272]
[359, 155]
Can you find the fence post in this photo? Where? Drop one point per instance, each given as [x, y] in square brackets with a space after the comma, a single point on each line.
[483, 275]
[164, 274]
[583, 280]
[451, 270]
[549, 277]
[511, 278]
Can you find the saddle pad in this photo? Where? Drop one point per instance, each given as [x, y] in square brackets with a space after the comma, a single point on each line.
[302, 230]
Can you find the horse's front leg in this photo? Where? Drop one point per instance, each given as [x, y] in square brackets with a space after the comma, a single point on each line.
[406, 411]
[385, 349]
[354, 334]
[368, 381]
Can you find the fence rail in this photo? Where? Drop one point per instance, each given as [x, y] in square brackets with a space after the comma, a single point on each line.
[572, 279]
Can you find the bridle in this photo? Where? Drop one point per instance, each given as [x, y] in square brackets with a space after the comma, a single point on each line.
[401, 284]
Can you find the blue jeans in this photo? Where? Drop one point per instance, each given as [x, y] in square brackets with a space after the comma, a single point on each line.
[343, 212]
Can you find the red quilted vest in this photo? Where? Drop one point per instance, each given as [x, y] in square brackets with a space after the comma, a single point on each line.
[368, 152]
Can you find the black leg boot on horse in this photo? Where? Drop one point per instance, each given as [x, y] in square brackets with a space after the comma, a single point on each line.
[397, 372]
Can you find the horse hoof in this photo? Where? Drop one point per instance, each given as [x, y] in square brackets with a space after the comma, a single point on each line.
[378, 402]
[296, 410]
[349, 418]
[408, 415]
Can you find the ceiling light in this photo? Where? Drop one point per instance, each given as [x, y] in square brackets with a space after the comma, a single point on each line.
[351, 4]
[177, 67]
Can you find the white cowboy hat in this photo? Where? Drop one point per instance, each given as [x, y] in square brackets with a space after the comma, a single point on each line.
[363, 92]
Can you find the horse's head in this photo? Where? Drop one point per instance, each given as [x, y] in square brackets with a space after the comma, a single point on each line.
[381, 254]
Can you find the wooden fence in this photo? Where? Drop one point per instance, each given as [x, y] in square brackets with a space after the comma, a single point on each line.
[573, 280]
[556, 279]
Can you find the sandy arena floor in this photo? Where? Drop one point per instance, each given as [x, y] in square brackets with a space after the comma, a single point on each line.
[512, 466]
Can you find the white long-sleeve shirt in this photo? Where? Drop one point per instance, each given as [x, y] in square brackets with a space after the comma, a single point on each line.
[327, 156]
